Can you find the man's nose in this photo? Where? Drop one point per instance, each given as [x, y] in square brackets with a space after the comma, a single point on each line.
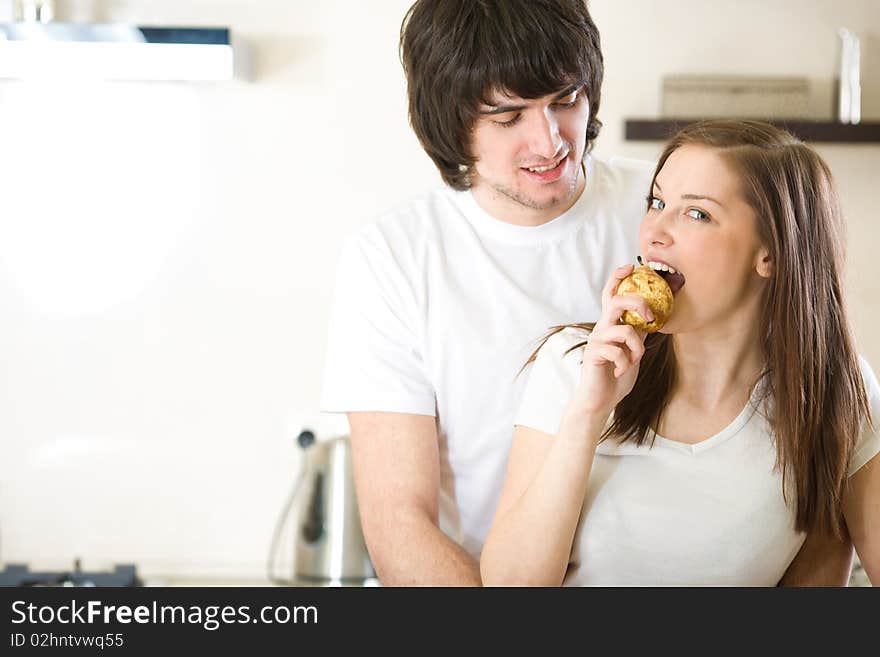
[544, 139]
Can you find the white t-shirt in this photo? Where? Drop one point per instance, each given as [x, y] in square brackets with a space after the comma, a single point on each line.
[677, 514]
[438, 305]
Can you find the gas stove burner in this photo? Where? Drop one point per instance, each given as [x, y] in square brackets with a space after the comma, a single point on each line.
[20, 575]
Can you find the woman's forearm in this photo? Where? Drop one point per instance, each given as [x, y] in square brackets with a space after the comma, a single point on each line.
[529, 545]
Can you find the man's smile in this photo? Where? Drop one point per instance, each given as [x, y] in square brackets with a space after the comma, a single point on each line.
[546, 173]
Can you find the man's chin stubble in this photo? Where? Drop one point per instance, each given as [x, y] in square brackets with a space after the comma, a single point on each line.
[532, 204]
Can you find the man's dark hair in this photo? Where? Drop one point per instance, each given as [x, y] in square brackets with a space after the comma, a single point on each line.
[457, 52]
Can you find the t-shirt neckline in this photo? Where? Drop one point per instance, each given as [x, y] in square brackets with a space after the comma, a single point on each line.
[725, 434]
[551, 231]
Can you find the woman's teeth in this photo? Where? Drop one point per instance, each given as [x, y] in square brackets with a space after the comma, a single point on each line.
[543, 169]
[659, 266]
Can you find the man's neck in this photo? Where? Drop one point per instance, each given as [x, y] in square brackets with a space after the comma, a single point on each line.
[504, 208]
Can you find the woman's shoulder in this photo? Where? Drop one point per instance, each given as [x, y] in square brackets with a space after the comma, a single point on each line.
[868, 442]
[553, 377]
[562, 344]
[869, 378]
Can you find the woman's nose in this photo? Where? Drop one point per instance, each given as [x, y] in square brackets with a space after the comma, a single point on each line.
[655, 229]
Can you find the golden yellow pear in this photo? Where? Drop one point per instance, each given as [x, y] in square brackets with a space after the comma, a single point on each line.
[648, 284]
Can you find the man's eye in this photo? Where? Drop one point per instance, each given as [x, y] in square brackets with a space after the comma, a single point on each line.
[655, 203]
[697, 214]
[510, 122]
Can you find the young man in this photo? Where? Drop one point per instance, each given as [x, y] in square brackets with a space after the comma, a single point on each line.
[439, 303]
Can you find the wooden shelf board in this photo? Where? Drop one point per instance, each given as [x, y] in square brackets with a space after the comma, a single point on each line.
[812, 131]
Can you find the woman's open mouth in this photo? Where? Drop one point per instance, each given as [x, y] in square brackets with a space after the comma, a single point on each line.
[672, 276]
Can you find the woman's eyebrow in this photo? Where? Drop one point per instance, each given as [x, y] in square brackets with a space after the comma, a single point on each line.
[701, 197]
[693, 197]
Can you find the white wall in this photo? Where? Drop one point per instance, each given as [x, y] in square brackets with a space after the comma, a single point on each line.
[167, 253]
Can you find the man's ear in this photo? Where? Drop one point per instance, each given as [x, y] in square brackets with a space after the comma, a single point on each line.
[764, 265]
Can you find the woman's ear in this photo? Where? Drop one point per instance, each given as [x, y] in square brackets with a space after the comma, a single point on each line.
[764, 266]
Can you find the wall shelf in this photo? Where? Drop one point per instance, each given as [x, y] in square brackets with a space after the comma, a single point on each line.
[810, 131]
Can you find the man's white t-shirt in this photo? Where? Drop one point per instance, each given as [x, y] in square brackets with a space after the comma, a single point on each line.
[438, 305]
[675, 514]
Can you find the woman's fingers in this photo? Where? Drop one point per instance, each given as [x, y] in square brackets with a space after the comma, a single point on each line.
[623, 334]
[612, 342]
[611, 286]
[618, 304]
[609, 353]
[603, 354]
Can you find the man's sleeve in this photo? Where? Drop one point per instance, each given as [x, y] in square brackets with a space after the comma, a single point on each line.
[374, 356]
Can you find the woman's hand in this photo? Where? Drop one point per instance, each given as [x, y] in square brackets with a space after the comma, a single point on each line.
[612, 355]
[537, 515]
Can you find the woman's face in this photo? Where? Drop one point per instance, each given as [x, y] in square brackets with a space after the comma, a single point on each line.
[699, 223]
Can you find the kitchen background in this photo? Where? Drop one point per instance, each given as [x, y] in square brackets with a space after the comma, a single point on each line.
[167, 252]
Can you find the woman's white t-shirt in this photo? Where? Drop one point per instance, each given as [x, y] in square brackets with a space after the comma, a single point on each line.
[677, 514]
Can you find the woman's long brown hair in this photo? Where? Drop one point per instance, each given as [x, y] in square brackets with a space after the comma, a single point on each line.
[811, 376]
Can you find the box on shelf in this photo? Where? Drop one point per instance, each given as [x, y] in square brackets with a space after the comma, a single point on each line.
[695, 96]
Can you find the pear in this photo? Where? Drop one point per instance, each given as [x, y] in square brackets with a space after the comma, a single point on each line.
[648, 284]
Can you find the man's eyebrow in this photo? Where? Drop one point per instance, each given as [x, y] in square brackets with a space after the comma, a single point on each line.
[502, 109]
[693, 197]
[570, 89]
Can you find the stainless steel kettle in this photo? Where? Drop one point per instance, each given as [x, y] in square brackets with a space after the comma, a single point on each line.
[329, 545]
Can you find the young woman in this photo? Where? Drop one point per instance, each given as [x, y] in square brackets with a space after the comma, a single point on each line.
[703, 454]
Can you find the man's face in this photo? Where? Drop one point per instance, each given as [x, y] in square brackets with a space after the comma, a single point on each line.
[528, 155]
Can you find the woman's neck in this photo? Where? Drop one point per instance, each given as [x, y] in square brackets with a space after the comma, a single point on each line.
[718, 365]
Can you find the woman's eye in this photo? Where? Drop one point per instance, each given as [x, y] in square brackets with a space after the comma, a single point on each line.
[510, 122]
[699, 215]
[655, 203]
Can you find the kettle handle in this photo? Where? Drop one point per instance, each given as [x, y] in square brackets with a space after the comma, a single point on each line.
[305, 439]
[313, 527]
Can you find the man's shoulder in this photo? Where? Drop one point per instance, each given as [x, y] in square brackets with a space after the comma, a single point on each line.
[623, 173]
[618, 190]
[413, 221]
[631, 164]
